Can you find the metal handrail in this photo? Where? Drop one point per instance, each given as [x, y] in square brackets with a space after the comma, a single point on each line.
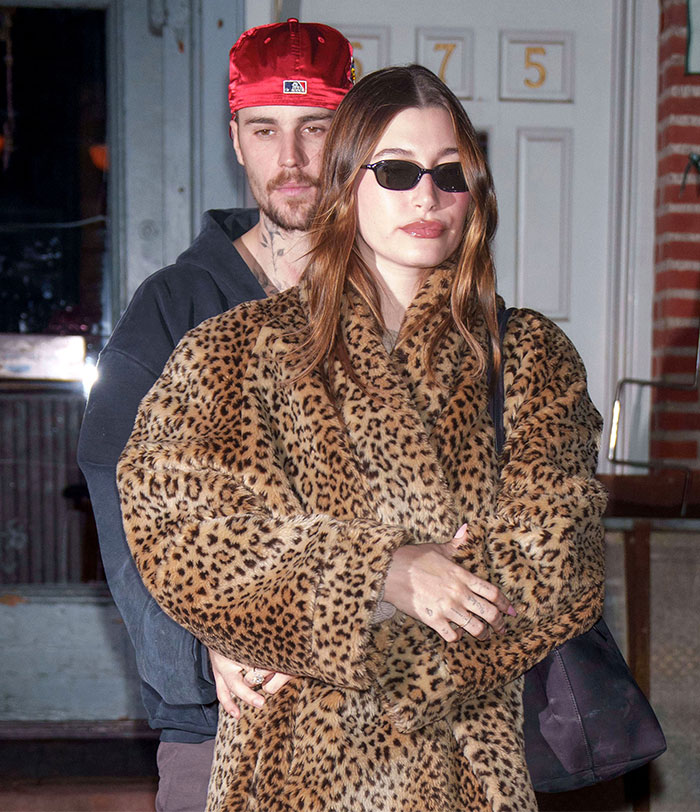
[660, 383]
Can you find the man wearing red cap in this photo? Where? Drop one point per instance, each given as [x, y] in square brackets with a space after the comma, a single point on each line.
[285, 82]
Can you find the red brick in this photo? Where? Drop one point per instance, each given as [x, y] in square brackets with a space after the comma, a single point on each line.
[673, 13]
[675, 365]
[678, 308]
[667, 450]
[675, 76]
[678, 249]
[675, 337]
[679, 222]
[678, 105]
[673, 46]
[670, 77]
[677, 421]
[672, 67]
[676, 16]
[673, 163]
[688, 280]
[671, 192]
[677, 134]
[684, 142]
[668, 341]
[660, 396]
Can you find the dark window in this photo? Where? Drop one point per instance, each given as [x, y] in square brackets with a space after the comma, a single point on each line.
[54, 282]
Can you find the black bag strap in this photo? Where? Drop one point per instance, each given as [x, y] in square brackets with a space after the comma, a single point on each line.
[497, 391]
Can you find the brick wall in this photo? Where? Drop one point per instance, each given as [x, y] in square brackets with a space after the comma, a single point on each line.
[675, 429]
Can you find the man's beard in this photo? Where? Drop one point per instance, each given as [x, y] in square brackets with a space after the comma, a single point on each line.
[295, 215]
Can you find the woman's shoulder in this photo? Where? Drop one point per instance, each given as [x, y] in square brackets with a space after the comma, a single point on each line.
[249, 318]
[534, 341]
[528, 327]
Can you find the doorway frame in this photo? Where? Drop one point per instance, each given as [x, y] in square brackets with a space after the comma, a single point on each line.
[631, 215]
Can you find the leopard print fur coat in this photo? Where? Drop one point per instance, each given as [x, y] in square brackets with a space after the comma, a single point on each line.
[263, 517]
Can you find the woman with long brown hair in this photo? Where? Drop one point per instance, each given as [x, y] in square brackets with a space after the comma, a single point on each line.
[312, 487]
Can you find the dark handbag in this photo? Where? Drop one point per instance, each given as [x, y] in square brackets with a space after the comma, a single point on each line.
[586, 719]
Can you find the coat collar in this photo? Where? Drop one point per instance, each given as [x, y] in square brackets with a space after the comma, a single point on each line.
[401, 432]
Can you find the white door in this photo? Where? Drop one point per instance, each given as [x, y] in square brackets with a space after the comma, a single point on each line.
[535, 76]
[538, 77]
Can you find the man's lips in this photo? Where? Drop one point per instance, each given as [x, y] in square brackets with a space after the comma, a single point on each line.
[292, 184]
[425, 229]
[293, 188]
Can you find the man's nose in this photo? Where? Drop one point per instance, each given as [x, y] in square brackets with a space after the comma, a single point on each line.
[292, 152]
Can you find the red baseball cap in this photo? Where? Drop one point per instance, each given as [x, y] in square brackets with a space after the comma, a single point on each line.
[292, 63]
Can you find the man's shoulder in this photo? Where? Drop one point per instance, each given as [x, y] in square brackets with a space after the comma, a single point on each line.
[283, 311]
[211, 256]
[212, 249]
[206, 279]
[233, 223]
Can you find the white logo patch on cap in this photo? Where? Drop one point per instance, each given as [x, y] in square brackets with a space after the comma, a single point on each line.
[293, 86]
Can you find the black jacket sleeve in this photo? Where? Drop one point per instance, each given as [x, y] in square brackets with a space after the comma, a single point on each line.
[208, 278]
[169, 659]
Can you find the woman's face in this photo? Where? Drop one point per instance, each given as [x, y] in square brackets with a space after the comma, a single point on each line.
[405, 232]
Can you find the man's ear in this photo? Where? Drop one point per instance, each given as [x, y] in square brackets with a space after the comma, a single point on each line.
[236, 142]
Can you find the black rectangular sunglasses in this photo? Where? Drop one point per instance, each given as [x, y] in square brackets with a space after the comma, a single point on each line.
[400, 175]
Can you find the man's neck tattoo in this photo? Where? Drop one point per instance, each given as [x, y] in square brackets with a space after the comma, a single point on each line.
[274, 242]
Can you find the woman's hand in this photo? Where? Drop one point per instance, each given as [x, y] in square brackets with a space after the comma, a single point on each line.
[424, 582]
[234, 679]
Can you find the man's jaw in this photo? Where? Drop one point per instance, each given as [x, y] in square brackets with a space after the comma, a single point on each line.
[293, 217]
[290, 201]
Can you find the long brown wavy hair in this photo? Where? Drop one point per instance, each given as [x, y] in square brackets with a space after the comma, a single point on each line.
[335, 264]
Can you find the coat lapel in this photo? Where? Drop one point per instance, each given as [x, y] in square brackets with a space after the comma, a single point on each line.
[453, 407]
[318, 457]
[401, 438]
[389, 424]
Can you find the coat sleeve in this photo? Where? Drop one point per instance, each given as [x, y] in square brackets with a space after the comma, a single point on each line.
[540, 539]
[169, 659]
[219, 537]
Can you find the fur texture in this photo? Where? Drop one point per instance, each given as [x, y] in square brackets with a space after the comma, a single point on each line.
[263, 517]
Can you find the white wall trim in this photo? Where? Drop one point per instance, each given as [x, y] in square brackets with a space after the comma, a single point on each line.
[218, 181]
[631, 243]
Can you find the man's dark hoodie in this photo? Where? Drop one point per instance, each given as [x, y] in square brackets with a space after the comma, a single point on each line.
[207, 279]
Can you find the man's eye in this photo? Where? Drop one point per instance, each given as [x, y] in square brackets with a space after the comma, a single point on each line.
[314, 129]
[264, 132]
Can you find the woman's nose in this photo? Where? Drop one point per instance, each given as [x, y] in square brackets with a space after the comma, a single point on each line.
[426, 192]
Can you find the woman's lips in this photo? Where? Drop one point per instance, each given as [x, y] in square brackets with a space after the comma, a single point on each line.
[425, 229]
